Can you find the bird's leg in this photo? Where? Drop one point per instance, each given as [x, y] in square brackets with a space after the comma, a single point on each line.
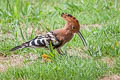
[63, 51]
[59, 51]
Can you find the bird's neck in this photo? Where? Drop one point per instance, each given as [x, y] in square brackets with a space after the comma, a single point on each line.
[68, 28]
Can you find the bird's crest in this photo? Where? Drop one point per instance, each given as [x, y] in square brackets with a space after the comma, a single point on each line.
[70, 19]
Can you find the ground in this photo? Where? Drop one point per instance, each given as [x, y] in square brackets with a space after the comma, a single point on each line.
[22, 20]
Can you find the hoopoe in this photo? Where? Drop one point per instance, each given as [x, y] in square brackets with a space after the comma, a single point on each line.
[57, 37]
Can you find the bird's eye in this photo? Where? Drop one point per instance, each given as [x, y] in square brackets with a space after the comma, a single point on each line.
[73, 27]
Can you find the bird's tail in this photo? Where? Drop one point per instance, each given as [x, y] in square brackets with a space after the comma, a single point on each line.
[24, 45]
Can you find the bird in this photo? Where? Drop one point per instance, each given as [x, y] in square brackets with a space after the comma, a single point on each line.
[57, 38]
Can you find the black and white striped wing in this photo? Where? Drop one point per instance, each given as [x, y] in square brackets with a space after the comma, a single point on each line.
[44, 41]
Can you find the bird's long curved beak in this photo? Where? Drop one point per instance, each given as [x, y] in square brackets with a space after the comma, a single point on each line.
[82, 38]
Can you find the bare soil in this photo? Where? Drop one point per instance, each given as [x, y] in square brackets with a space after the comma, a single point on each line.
[85, 26]
[109, 61]
[112, 77]
[81, 53]
[15, 60]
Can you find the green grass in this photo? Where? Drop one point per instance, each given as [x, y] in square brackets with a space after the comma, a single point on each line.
[62, 68]
[16, 16]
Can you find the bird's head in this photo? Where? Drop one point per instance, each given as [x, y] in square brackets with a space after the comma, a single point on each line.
[73, 25]
[72, 22]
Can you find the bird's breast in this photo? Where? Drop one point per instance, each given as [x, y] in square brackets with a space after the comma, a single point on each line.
[63, 35]
[67, 38]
